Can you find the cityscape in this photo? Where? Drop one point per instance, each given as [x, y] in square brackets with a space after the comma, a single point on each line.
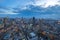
[29, 29]
[29, 19]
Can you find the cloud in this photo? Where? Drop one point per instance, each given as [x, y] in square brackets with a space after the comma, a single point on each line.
[46, 3]
[7, 11]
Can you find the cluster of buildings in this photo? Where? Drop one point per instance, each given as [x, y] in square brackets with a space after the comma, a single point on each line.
[29, 29]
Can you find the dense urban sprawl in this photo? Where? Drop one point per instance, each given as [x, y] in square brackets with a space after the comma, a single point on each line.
[29, 29]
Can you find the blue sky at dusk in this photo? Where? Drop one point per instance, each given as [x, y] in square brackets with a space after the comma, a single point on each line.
[30, 8]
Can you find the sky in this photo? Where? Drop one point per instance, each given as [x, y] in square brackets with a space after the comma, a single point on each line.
[47, 3]
[6, 6]
[13, 3]
[19, 3]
